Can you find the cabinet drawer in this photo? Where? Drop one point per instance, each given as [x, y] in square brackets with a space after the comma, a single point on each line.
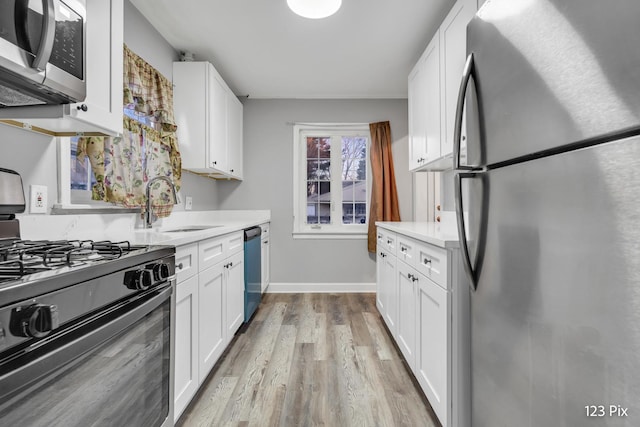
[233, 243]
[432, 262]
[211, 252]
[407, 250]
[186, 261]
[387, 240]
[265, 229]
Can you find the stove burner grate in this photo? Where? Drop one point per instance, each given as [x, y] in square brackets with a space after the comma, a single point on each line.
[22, 257]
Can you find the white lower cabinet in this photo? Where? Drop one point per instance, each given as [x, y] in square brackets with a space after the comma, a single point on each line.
[387, 289]
[186, 380]
[210, 325]
[406, 327]
[265, 256]
[209, 309]
[433, 330]
[423, 299]
[234, 295]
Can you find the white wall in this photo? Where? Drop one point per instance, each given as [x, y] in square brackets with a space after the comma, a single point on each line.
[268, 184]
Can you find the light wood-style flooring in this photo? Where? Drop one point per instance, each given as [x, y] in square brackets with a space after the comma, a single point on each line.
[311, 360]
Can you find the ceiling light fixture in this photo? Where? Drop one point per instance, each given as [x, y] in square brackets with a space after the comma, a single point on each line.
[314, 9]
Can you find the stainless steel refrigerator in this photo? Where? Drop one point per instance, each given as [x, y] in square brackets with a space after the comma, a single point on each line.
[548, 198]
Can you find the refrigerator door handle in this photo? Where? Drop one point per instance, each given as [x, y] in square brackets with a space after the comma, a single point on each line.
[462, 232]
[457, 132]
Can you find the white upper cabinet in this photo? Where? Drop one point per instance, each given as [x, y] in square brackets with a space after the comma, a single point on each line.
[209, 119]
[424, 107]
[101, 111]
[453, 55]
[433, 99]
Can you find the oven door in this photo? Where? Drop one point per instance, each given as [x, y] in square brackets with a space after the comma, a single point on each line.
[113, 368]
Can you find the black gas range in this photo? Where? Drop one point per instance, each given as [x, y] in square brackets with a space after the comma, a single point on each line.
[86, 328]
[45, 284]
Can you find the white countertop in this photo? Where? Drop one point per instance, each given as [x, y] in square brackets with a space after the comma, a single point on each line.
[444, 235]
[119, 227]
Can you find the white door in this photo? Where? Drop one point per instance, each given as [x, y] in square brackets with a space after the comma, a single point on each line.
[210, 324]
[234, 285]
[433, 331]
[217, 132]
[407, 292]
[186, 345]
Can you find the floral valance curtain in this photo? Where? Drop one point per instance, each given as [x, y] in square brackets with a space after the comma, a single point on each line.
[148, 147]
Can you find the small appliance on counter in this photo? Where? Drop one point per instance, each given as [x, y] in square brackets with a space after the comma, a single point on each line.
[86, 328]
[11, 202]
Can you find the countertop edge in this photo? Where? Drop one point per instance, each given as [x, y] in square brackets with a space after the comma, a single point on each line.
[429, 232]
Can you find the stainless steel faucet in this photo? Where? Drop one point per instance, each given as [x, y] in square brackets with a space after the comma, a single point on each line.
[149, 217]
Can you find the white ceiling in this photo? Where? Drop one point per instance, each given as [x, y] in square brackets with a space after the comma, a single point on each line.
[264, 50]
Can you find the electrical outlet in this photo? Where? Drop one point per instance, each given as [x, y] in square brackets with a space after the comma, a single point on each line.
[188, 203]
[38, 200]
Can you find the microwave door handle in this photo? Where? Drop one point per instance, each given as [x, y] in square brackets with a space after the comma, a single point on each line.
[457, 131]
[47, 36]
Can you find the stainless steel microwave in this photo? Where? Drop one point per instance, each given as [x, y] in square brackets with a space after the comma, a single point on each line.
[42, 52]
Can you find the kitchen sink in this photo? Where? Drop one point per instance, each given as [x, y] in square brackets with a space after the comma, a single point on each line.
[187, 228]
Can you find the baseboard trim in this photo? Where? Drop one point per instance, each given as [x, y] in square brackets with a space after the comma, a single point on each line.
[333, 288]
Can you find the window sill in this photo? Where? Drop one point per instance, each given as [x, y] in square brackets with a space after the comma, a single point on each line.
[329, 235]
[64, 209]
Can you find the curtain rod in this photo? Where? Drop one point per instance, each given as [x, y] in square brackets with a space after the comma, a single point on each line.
[325, 124]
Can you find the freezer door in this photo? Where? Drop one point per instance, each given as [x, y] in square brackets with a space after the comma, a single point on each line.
[556, 314]
[553, 72]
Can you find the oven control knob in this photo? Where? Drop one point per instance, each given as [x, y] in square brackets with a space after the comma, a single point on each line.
[161, 271]
[139, 280]
[35, 321]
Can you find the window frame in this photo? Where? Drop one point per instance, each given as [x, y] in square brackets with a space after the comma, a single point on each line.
[77, 201]
[334, 230]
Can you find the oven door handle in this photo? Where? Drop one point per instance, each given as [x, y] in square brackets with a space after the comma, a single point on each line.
[62, 349]
[47, 37]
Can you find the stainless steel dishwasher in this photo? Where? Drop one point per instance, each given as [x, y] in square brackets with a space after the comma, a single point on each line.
[252, 269]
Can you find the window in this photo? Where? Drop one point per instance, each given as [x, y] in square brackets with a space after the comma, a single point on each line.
[331, 180]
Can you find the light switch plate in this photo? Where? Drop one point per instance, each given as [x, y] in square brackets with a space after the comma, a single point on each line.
[188, 203]
[38, 199]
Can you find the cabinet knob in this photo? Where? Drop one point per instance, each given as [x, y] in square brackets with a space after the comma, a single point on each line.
[231, 170]
[180, 266]
[438, 218]
[426, 261]
[83, 107]
[438, 207]
[388, 242]
[403, 249]
[214, 163]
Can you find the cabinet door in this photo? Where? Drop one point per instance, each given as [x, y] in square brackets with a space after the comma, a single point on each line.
[433, 367]
[453, 47]
[417, 125]
[234, 135]
[234, 290]
[217, 123]
[186, 347]
[407, 292]
[210, 318]
[380, 288]
[190, 105]
[390, 294]
[431, 94]
[265, 259]
[104, 62]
